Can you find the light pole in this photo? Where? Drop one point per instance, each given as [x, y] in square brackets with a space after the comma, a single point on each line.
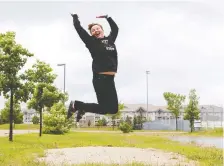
[147, 73]
[64, 73]
[221, 114]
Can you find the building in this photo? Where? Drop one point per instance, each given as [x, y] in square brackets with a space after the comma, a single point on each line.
[210, 115]
[28, 115]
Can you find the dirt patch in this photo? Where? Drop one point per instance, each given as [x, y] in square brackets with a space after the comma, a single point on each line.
[114, 155]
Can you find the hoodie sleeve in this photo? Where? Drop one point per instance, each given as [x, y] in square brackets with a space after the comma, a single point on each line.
[114, 29]
[83, 34]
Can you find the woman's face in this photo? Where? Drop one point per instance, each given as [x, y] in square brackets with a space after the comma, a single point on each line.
[97, 31]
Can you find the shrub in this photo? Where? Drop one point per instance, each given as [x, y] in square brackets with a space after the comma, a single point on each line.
[125, 127]
[35, 120]
[55, 121]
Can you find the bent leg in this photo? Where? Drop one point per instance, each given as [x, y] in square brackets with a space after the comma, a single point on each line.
[106, 96]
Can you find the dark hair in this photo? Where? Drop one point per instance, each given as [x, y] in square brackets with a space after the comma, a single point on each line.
[91, 25]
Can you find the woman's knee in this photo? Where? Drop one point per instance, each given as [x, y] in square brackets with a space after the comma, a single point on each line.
[112, 109]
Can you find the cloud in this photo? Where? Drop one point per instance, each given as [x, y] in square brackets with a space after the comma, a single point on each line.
[180, 43]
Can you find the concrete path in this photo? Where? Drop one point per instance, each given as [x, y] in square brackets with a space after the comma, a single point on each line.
[6, 132]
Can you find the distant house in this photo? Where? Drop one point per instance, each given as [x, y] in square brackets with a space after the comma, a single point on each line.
[207, 114]
[28, 115]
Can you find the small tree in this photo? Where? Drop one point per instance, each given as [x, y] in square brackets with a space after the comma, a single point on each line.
[13, 57]
[140, 118]
[128, 120]
[174, 102]
[125, 127]
[17, 114]
[135, 122]
[89, 123]
[104, 121]
[192, 111]
[55, 121]
[40, 79]
[45, 95]
[117, 115]
[99, 123]
[35, 119]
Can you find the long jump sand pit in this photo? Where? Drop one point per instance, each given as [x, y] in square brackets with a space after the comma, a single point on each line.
[114, 155]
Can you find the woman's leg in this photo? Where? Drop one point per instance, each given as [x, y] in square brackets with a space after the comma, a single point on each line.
[106, 96]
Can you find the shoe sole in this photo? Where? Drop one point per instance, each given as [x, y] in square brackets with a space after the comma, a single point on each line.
[70, 108]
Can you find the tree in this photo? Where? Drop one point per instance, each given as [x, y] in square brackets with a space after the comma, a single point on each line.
[99, 123]
[117, 115]
[125, 127]
[140, 118]
[174, 102]
[128, 120]
[104, 121]
[13, 57]
[35, 119]
[135, 122]
[55, 121]
[44, 94]
[17, 114]
[89, 123]
[192, 110]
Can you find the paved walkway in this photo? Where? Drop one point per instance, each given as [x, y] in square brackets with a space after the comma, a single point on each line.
[6, 132]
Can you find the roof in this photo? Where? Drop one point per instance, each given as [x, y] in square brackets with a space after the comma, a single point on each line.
[153, 108]
[135, 107]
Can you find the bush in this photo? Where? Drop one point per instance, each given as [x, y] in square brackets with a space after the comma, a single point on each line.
[55, 121]
[35, 120]
[125, 127]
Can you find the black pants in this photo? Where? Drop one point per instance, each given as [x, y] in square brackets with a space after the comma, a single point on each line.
[106, 94]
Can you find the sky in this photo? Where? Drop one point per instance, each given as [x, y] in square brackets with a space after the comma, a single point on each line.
[179, 42]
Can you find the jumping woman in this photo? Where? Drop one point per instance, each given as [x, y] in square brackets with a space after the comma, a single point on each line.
[104, 67]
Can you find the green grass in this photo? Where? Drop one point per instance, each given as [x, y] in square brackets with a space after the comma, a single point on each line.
[22, 150]
[20, 127]
[216, 132]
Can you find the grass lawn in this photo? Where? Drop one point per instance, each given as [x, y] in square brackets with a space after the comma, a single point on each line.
[217, 132]
[22, 151]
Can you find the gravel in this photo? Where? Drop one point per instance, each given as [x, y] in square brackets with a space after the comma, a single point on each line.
[113, 155]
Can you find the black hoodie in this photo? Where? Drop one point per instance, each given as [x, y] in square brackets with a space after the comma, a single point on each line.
[102, 50]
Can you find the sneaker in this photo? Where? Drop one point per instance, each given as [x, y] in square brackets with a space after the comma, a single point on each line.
[71, 109]
[79, 115]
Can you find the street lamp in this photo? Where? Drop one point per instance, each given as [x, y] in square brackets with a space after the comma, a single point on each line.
[64, 73]
[147, 73]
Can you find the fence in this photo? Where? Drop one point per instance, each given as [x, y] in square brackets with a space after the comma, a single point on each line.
[183, 125]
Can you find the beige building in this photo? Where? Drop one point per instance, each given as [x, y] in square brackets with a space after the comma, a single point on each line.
[209, 114]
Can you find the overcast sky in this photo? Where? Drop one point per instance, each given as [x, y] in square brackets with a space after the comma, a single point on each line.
[180, 43]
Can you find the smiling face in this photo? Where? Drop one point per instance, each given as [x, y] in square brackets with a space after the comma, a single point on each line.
[96, 30]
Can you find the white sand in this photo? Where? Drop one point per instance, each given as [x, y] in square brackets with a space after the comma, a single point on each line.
[114, 155]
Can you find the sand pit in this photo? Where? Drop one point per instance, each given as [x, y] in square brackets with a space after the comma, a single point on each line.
[114, 155]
